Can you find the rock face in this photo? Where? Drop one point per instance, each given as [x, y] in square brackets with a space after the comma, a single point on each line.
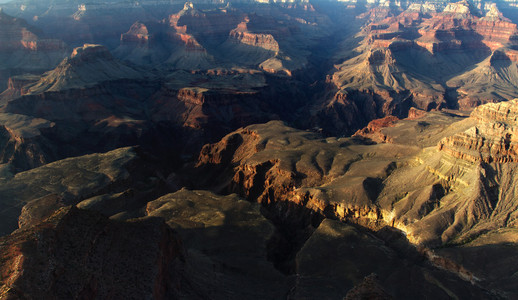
[460, 193]
[143, 44]
[490, 81]
[375, 84]
[423, 196]
[190, 54]
[492, 139]
[95, 102]
[241, 34]
[373, 129]
[138, 34]
[469, 32]
[215, 102]
[273, 40]
[268, 42]
[16, 86]
[16, 35]
[117, 104]
[177, 41]
[76, 253]
[458, 26]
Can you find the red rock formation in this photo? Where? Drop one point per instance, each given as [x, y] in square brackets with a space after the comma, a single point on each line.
[178, 33]
[193, 22]
[414, 113]
[454, 28]
[372, 130]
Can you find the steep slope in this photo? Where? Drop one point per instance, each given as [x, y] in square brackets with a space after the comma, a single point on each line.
[351, 257]
[217, 101]
[272, 163]
[77, 253]
[272, 42]
[378, 70]
[86, 66]
[17, 35]
[494, 79]
[461, 194]
[99, 103]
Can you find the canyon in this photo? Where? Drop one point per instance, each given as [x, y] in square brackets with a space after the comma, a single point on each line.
[258, 149]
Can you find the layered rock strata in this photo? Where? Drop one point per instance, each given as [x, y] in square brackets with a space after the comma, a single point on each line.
[491, 140]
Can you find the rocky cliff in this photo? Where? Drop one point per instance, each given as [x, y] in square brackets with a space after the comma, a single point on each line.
[77, 253]
[263, 40]
[492, 139]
